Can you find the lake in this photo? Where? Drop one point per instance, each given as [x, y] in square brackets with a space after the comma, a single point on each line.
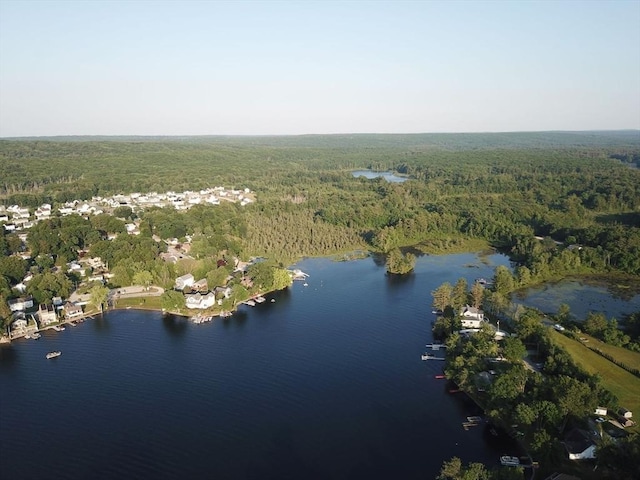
[324, 383]
[388, 176]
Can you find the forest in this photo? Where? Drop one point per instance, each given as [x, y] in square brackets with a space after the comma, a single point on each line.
[501, 188]
[558, 203]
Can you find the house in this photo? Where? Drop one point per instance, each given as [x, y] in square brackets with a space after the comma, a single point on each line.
[184, 281]
[20, 304]
[71, 310]
[471, 317]
[200, 301]
[47, 314]
[222, 292]
[579, 445]
[19, 325]
[200, 286]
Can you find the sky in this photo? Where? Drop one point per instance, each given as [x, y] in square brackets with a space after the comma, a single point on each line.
[304, 67]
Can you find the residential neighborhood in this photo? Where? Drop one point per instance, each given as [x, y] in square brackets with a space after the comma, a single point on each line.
[17, 218]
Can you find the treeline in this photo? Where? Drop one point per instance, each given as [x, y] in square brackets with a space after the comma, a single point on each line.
[310, 204]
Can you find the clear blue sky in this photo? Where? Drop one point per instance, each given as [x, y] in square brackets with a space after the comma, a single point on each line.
[194, 68]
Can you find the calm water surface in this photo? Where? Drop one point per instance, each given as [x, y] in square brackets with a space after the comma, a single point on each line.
[388, 176]
[582, 297]
[325, 383]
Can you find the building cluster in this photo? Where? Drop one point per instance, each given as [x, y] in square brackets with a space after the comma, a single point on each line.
[17, 218]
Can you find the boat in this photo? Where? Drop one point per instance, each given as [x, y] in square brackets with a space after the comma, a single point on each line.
[260, 299]
[510, 461]
[428, 356]
[225, 314]
[305, 284]
[53, 354]
[474, 419]
[35, 335]
[251, 303]
[27, 336]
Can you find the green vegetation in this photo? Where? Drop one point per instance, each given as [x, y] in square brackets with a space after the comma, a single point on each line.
[624, 385]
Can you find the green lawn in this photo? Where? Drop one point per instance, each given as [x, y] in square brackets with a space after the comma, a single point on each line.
[620, 382]
[151, 303]
[629, 358]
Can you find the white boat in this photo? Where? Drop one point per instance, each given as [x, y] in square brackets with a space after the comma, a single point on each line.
[53, 354]
[251, 303]
[260, 299]
[510, 461]
[27, 336]
[35, 335]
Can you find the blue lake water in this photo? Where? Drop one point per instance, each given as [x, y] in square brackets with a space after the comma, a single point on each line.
[324, 383]
[388, 176]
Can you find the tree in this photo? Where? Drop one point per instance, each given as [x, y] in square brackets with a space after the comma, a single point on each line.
[98, 296]
[43, 287]
[459, 294]
[503, 282]
[513, 349]
[399, 263]
[564, 314]
[172, 300]
[477, 294]
[442, 296]
[123, 212]
[595, 324]
[454, 470]
[143, 278]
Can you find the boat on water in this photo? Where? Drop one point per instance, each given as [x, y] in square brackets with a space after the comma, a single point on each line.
[53, 354]
[35, 335]
[27, 336]
[510, 461]
[251, 303]
[260, 299]
[225, 314]
[428, 356]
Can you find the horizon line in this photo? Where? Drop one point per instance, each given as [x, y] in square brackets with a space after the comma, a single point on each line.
[317, 134]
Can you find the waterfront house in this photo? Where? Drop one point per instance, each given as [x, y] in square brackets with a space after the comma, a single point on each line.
[222, 292]
[471, 317]
[20, 304]
[200, 301]
[47, 314]
[579, 445]
[71, 310]
[200, 286]
[184, 281]
[19, 326]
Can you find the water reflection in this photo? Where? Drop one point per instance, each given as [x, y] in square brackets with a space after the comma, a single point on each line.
[8, 356]
[176, 326]
[388, 176]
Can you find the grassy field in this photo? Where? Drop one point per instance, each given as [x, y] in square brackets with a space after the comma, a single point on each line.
[620, 382]
[147, 303]
[623, 355]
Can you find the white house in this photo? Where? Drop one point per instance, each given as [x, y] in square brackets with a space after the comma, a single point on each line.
[471, 317]
[184, 281]
[200, 301]
[20, 304]
[579, 445]
[47, 314]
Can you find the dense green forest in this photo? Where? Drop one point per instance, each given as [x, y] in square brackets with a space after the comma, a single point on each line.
[578, 188]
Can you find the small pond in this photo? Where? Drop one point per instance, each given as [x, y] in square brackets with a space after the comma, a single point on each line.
[388, 176]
